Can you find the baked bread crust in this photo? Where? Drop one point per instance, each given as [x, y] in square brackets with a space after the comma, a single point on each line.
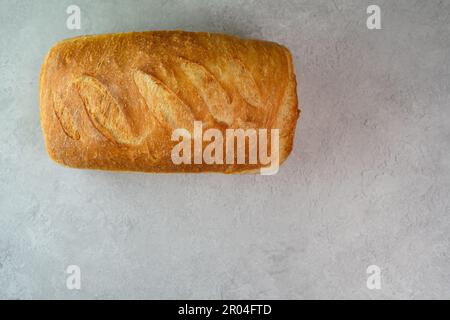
[111, 101]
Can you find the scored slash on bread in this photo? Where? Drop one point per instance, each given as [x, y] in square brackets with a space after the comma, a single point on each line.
[165, 105]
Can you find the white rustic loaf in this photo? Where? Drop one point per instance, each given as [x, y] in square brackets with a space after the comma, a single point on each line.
[112, 101]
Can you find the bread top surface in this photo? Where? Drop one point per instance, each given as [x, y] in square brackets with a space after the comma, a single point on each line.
[112, 101]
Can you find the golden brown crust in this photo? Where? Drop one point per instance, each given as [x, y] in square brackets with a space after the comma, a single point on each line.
[111, 101]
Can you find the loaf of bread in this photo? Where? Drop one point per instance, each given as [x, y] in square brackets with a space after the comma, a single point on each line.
[113, 101]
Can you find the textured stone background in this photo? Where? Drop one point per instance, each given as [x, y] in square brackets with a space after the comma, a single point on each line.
[368, 181]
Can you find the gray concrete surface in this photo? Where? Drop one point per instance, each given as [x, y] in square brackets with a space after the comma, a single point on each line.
[367, 183]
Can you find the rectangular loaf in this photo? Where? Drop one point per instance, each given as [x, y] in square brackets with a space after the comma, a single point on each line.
[112, 101]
